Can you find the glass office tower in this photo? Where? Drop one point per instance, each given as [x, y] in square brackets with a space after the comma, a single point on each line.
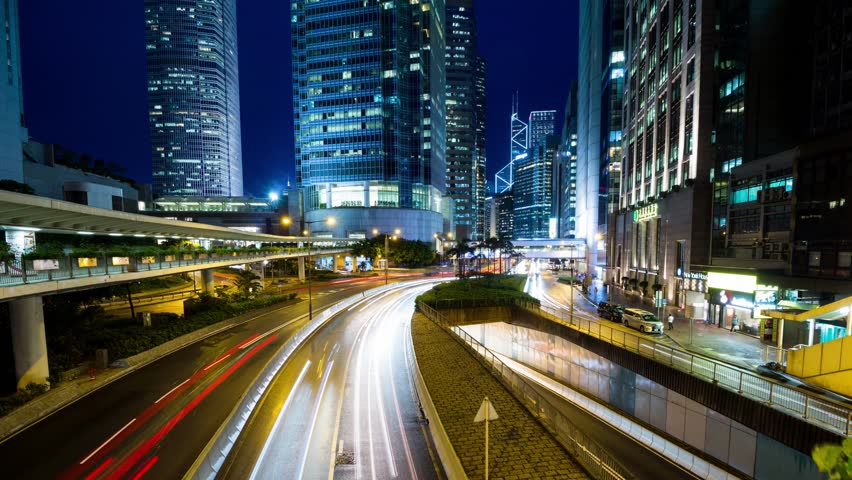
[368, 109]
[465, 120]
[13, 135]
[194, 97]
[533, 178]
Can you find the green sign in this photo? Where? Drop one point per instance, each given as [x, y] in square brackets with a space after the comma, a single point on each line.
[646, 213]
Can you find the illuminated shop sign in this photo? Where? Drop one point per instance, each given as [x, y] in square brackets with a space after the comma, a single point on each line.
[646, 213]
[765, 295]
[691, 275]
[732, 298]
[731, 281]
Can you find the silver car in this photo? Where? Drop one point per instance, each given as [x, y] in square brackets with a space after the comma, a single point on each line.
[642, 320]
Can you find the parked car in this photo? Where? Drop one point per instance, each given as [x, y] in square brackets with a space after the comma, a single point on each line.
[610, 311]
[642, 320]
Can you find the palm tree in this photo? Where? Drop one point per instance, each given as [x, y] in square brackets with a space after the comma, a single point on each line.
[246, 281]
[506, 250]
[459, 250]
[492, 244]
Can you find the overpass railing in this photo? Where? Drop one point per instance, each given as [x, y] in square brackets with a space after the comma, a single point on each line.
[835, 416]
[26, 271]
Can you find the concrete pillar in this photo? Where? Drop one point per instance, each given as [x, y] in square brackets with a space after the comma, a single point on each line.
[29, 342]
[302, 269]
[780, 339]
[207, 281]
[336, 266]
[811, 326]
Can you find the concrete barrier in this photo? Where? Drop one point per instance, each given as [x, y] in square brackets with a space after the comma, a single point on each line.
[449, 459]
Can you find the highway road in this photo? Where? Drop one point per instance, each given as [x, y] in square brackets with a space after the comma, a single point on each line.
[155, 421]
[344, 406]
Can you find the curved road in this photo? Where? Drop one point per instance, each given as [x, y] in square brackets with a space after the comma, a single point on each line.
[155, 421]
[344, 406]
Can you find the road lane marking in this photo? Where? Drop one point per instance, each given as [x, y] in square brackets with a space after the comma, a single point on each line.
[278, 420]
[172, 390]
[208, 367]
[383, 421]
[314, 418]
[108, 440]
[142, 449]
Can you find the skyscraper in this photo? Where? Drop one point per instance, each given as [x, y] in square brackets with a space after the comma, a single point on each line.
[13, 135]
[465, 119]
[533, 178]
[194, 97]
[519, 138]
[369, 111]
[565, 171]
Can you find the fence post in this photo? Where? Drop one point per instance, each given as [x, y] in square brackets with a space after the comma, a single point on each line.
[70, 267]
[740, 388]
[805, 414]
[714, 372]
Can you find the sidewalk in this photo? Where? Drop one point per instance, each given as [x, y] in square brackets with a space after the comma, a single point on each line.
[520, 447]
[710, 340]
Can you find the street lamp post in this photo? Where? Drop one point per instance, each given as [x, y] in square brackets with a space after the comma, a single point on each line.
[328, 221]
[387, 256]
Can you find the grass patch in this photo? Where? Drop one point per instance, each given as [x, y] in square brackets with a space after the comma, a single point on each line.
[569, 278]
[15, 400]
[496, 289]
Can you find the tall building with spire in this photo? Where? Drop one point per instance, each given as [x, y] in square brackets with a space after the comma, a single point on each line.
[194, 97]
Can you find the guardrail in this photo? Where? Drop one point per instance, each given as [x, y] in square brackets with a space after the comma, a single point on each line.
[213, 457]
[824, 412]
[22, 272]
[593, 457]
[152, 298]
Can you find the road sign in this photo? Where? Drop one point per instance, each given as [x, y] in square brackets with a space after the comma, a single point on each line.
[486, 413]
[486, 405]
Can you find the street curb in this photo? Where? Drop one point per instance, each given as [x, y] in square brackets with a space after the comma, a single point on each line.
[34, 411]
[449, 458]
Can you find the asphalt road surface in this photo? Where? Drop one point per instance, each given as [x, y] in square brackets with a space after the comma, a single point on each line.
[344, 406]
[155, 421]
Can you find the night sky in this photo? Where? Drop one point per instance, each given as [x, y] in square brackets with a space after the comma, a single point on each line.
[84, 78]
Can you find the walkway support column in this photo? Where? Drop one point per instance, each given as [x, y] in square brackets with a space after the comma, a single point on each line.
[29, 342]
[302, 269]
[207, 281]
[336, 265]
[779, 353]
[849, 323]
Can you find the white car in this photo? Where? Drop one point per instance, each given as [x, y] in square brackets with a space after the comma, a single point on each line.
[642, 320]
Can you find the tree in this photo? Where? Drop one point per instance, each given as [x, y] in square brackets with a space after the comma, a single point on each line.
[835, 460]
[13, 186]
[459, 251]
[492, 244]
[247, 281]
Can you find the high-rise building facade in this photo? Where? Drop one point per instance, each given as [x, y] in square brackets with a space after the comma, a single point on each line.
[565, 171]
[465, 119]
[518, 143]
[194, 97]
[13, 134]
[481, 179]
[662, 226]
[369, 114]
[533, 178]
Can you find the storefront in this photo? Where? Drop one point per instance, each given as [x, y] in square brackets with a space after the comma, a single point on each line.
[692, 293]
[732, 295]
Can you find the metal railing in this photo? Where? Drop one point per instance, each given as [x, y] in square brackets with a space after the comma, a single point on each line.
[821, 411]
[770, 353]
[597, 461]
[21, 271]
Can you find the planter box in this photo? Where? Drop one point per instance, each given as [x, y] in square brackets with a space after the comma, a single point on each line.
[46, 264]
[87, 262]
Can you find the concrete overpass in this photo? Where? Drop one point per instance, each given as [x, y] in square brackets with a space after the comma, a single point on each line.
[573, 248]
[23, 282]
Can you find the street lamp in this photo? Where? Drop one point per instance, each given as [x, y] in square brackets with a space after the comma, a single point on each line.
[330, 221]
[387, 257]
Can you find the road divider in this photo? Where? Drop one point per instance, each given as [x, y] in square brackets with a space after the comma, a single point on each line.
[211, 459]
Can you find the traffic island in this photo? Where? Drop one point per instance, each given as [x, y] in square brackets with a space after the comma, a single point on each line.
[519, 447]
